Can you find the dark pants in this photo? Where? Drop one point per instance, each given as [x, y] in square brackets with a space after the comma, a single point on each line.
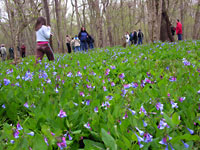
[91, 46]
[84, 46]
[135, 42]
[179, 37]
[139, 41]
[69, 48]
[23, 54]
[42, 49]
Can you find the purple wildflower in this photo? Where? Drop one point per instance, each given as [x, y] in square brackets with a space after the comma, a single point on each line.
[62, 144]
[174, 105]
[12, 141]
[191, 131]
[142, 110]
[26, 105]
[16, 134]
[3, 106]
[185, 144]
[79, 74]
[172, 79]
[127, 86]
[109, 97]
[112, 84]
[134, 85]
[132, 111]
[185, 62]
[144, 123]
[107, 72]
[112, 67]
[96, 109]
[70, 138]
[147, 138]
[163, 141]
[181, 99]
[69, 74]
[46, 141]
[141, 132]
[19, 127]
[52, 133]
[6, 81]
[198, 92]
[159, 106]
[62, 114]
[125, 116]
[139, 138]
[31, 133]
[162, 124]
[104, 88]
[82, 94]
[87, 125]
[121, 76]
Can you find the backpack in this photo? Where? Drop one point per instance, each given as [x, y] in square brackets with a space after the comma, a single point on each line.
[131, 36]
[84, 36]
[140, 34]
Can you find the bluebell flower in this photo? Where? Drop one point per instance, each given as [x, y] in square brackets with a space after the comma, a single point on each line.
[144, 123]
[16, 134]
[26, 105]
[3, 106]
[6, 81]
[140, 131]
[46, 141]
[191, 131]
[62, 114]
[12, 141]
[31, 133]
[62, 144]
[19, 127]
[185, 144]
[87, 125]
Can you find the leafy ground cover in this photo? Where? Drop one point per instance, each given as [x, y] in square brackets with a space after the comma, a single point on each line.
[145, 97]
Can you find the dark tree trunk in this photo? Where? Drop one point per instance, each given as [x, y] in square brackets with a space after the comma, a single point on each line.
[165, 28]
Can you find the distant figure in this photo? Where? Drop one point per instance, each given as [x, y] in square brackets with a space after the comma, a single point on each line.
[127, 38]
[11, 52]
[173, 30]
[68, 43]
[3, 52]
[83, 38]
[179, 29]
[43, 33]
[23, 50]
[90, 42]
[76, 43]
[140, 37]
[135, 37]
[131, 38]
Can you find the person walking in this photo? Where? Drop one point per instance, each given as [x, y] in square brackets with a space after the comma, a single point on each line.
[179, 30]
[23, 50]
[3, 52]
[140, 37]
[43, 33]
[90, 42]
[11, 52]
[135, 37]
[76, 43]
[127, 38]
[68, 43]
[131, 38]
[83, 35]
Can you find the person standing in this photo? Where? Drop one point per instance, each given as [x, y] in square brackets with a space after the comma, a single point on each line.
[135, 37]
[179, 30]
[83, 35]
[76, 43]
[23, 50]
[68, 43]
[43, 34]
[3, 52]
[11, 52]
[127, 38]
[131, 38]
[90, 42]
[140, 37]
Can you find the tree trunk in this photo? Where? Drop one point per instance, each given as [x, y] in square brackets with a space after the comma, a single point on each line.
[196, 27]
[165, 29]
[58, 20]
[46, 8]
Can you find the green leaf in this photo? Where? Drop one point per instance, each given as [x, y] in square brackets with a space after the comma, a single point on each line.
[186, 137]
[169, 120]
[175, 119]
[108, 140]
[38, 143]
[89, 144]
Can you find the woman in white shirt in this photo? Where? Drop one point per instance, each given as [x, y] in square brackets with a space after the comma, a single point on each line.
[43, 33]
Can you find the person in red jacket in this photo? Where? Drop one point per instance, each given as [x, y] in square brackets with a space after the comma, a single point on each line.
[23, 50]
[179, 31]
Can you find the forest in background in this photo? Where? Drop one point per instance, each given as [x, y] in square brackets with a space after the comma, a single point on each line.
[106, 20]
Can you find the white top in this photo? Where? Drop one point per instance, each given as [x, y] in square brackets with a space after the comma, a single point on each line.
[127, 38]
[43, 34]
[3, 50]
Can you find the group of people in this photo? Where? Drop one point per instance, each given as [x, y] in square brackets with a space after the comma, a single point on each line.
[178, 30]
[82, 42]
[4, 53]
[134, 37]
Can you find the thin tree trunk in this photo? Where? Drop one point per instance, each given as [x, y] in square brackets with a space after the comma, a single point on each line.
[196, 27]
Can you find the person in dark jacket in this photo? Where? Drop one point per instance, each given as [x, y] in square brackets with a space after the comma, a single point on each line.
[90, 42]
[131, 38]
[11, 52]
[83, 35]
[140, 37]
[23, 50]
[135, 37]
